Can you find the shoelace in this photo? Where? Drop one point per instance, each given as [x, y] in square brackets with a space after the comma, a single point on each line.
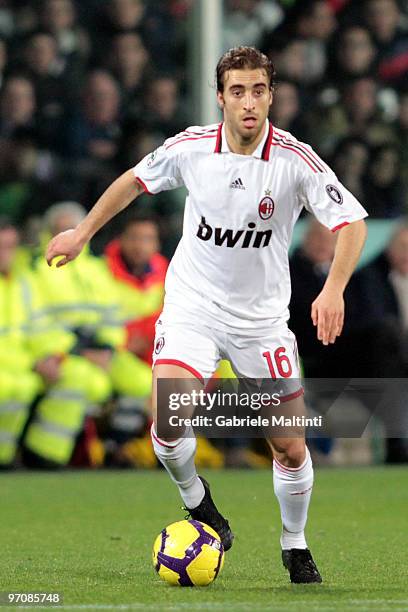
[221, 527]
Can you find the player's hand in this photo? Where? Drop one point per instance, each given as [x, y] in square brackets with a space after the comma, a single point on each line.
[328, 315]
[67, 245]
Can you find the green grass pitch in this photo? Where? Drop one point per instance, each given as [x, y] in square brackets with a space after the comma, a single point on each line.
[89, 536]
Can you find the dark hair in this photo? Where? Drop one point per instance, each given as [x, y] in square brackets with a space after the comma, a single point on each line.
[304, 8]
[348, 141]
[379, 149]
[140, 216]
[244, 57]
[6, 223]
[40, 32]
[355, 78]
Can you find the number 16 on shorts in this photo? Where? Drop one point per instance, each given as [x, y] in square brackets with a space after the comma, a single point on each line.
[278, 363]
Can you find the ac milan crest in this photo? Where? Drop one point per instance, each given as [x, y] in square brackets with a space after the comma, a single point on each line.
[334, 194]
[266, 208]
[159, 345]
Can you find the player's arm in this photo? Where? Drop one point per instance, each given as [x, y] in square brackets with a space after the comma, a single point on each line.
[119, 194]
[328, 307]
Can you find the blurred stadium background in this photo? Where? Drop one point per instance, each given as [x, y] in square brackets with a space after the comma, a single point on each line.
[86, 90]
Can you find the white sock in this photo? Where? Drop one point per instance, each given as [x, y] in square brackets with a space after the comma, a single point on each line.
[293, 488]
[177, 457]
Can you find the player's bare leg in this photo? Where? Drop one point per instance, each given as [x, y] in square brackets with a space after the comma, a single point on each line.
[177, 454]
[293, 484]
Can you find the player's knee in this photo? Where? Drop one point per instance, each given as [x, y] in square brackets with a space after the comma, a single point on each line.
[162, 431]
[291, 452]
[163, 439]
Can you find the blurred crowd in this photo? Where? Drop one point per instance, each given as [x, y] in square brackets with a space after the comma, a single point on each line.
[86, 90]
[342, 86]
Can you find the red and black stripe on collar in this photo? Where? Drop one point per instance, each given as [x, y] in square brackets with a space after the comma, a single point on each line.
[266, 148]
[218, 142]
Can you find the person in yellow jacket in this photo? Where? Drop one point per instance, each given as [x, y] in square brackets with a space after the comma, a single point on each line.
[34, 362]
[85, 299]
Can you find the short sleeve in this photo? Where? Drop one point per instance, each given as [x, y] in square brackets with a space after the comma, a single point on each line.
[329, 201]
[159, 171]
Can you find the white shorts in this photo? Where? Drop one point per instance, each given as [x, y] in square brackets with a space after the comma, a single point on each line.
[185, 339]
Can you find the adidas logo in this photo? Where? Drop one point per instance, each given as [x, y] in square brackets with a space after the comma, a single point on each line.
[237, 184]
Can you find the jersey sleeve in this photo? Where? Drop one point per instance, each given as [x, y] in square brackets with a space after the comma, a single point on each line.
[329, 201]
[159, 171]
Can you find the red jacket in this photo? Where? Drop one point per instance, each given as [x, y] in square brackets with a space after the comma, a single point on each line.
[154, 276]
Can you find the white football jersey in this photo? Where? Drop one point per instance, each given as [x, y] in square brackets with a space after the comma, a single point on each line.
[232, 260]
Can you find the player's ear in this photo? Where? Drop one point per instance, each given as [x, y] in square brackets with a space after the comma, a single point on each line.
[270, 97]
[220, 100]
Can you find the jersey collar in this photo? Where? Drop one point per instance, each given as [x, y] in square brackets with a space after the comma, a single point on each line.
[261, 152]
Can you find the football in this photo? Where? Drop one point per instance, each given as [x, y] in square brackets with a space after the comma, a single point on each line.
[188, 553]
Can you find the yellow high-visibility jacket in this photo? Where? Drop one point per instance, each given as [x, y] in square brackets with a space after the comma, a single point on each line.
[25, 334]
[83, 294]
[28, 334]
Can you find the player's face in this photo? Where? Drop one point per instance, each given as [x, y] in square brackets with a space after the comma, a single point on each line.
[245, 102]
